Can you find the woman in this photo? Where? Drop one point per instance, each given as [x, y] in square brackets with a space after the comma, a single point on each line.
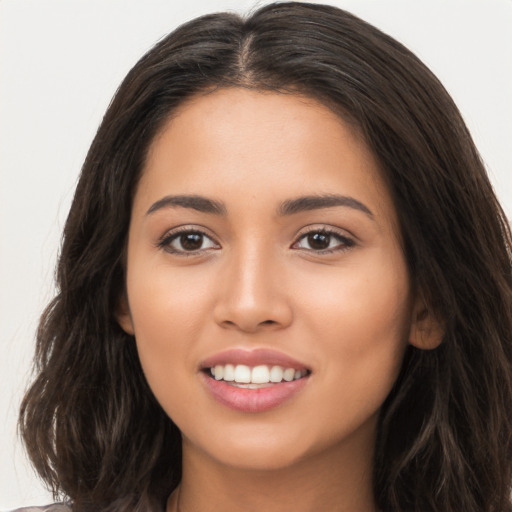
[285, 283]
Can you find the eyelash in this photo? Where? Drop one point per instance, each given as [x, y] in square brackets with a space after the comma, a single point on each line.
[344, 244]
[165, 241]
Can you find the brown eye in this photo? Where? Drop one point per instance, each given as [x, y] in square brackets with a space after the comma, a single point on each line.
[185, 242]
[191, 241]
[319, 241]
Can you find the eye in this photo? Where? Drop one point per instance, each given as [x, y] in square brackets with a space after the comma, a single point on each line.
[187, 241]
[323, 241]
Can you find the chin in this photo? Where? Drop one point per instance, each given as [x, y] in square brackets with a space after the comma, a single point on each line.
[261, 458]
[264, 447]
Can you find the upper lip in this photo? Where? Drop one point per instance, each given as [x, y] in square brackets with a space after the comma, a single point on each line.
[254, 357]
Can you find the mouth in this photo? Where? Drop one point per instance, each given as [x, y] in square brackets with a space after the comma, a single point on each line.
[253, 381]
[256, 377]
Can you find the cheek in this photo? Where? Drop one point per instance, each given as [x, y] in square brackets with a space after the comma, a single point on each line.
[360, 318]
[368, 298]
[164, 300]
[168, 311]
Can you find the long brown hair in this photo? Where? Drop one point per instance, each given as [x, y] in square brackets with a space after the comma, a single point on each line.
[91, 425]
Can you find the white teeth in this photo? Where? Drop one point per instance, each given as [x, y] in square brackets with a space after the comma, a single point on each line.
[276, 374]
[242, 373]
[229, 373]
[261, 374]
[219, 372]
[289, 374]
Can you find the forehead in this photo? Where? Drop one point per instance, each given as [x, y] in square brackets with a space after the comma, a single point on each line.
[240, 142]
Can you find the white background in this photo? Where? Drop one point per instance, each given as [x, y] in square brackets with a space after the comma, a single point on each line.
[60, 63]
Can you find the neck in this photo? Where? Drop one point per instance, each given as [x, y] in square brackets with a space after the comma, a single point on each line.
[338, 480]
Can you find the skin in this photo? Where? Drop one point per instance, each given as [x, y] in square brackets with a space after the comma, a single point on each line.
[257, 282]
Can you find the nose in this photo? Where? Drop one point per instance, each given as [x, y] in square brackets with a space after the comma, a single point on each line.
[253, 295]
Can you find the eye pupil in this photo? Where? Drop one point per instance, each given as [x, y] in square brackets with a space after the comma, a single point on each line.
[319, 240]
[191, 241]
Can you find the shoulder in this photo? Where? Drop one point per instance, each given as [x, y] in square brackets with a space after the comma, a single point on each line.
[56, 507]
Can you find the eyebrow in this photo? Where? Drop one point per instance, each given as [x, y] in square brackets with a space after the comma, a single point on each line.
[317, 202]
[199, 203]
[289, 207]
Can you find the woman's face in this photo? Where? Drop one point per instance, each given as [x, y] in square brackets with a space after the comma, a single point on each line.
[264, 244]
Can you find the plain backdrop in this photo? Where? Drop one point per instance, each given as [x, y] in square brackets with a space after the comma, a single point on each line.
[60, 63]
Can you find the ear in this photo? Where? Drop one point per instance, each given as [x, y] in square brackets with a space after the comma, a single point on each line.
[426, 331]
[123, 315]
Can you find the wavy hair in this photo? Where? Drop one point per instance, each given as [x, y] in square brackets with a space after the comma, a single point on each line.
[93, 429]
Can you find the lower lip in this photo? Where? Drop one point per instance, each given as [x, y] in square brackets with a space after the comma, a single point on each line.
[253, 400]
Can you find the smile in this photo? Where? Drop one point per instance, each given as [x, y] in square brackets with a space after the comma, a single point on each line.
[253, 381]
[244, 376]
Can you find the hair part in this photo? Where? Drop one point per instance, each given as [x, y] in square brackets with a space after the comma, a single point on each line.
[91, 425]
